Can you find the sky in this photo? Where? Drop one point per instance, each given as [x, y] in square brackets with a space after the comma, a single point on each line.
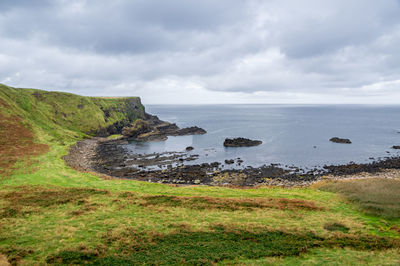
[205, 52]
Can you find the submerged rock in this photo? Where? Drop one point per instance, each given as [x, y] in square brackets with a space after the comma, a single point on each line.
[339, 140]
[241, 142]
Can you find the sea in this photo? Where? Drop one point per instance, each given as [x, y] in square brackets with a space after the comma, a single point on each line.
[292, 135]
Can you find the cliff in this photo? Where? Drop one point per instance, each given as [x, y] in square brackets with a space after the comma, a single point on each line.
[64, 114]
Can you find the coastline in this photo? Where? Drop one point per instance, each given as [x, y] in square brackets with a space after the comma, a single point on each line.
[106, 157]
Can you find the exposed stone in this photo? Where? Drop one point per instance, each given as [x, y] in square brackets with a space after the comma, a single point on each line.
[340, 140]
[396, 147]
[241, 142]
[137, 128]
[190, 148]
[189, 131]
[229, 161]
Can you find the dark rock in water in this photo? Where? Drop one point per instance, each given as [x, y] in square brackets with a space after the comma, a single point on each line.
[189, 131]
[339, 140]
[166, 128]
[190, 148]
[241, 142]
[396, 147]
[152, 136]
[158, 130]
[229, 161]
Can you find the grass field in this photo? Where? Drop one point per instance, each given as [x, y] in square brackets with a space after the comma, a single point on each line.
[51, 214]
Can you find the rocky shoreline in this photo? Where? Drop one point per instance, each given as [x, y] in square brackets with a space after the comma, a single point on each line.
[110, 158]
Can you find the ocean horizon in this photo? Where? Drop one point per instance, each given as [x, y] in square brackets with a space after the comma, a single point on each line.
[292, 134]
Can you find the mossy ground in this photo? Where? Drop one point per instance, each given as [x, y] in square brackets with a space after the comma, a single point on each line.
[51, 214]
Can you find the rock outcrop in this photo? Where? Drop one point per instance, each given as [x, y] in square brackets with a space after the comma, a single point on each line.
[137, 128]
[241, 142]
[155, 129]
[189, 131]
[339, 140]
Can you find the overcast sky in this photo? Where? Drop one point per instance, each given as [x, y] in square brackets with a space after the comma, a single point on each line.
[208, 51]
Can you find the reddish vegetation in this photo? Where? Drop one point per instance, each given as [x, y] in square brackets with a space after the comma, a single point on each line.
[16, 142]
[229, 204]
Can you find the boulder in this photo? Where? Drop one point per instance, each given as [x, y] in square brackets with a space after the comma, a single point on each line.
[339, 140]
[396, 147]
[229, 161]
[241, 142]
[189, 131]
[190, 148]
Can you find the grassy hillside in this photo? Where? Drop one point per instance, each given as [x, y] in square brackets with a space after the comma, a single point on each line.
[52, 214]
[66, 115]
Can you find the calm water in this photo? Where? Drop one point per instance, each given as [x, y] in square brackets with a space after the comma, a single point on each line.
[291, 134]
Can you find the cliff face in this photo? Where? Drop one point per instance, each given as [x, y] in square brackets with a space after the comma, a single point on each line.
[64, 115]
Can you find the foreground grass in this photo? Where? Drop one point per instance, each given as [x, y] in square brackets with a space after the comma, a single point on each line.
[77, 225]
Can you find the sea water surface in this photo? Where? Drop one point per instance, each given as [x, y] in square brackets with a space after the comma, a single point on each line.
[295, 135]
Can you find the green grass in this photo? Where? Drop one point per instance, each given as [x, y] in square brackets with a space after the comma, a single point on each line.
[50, 213]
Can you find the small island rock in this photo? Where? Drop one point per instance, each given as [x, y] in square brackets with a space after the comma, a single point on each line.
[339, 140]
[241, 142]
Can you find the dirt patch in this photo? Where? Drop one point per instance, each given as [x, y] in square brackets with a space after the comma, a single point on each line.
[31, 199]
[202, 203]
[3, 260]
[16, 143]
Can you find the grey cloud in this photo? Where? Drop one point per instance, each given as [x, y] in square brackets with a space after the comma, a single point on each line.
[303, 47]
[122, 26]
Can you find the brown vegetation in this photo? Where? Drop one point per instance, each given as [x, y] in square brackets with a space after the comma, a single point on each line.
[375, 196]
[228, 204]
[31, 199]
[16, 142]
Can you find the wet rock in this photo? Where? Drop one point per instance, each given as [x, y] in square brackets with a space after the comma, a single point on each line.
[189, 131]
[189, 148]
[166, 128]
[340, 140]
[152, 136]
[229, 161]
[396, 147]
[241, 142]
